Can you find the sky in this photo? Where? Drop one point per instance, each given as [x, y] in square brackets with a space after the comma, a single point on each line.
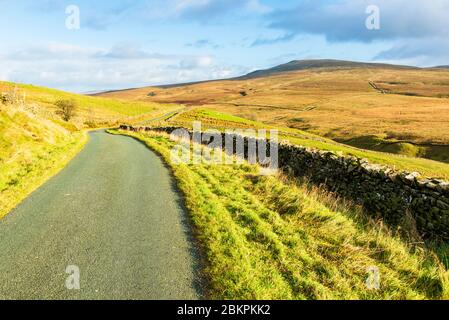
[131, 43]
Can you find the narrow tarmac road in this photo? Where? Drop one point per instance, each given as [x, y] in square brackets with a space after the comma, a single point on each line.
[114, 213]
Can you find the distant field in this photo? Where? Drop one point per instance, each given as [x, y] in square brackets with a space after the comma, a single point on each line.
[404, 111]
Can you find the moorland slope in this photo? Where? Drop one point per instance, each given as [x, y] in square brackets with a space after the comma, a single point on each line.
[395, 109]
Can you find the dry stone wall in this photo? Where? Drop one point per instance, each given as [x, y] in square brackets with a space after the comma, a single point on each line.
[390, 194]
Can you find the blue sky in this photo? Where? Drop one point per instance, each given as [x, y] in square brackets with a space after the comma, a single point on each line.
[131, 43]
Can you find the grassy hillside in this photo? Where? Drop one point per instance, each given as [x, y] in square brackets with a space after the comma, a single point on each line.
[35, 143]
[267, 238]
[32, 149]
[400, 110]
[90, 111]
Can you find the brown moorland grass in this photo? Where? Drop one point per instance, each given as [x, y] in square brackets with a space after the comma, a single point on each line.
[341, 104]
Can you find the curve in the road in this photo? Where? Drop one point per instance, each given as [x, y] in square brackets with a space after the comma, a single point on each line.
[115, 214]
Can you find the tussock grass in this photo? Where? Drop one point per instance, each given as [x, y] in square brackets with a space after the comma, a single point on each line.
[265, 237]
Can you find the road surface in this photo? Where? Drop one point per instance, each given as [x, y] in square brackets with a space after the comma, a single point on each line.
[113, 214]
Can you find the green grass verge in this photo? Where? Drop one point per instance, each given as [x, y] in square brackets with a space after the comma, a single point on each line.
[264, 237]
[31, 151]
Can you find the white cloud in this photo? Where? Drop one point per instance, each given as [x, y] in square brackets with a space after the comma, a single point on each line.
[189, 63]
[80, 69]
[416, 30]
[428, 52]
[51, 50]
[344, 20]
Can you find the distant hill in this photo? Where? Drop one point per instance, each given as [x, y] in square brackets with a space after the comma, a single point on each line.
[442, 67]
[298, 65]
[295, 65]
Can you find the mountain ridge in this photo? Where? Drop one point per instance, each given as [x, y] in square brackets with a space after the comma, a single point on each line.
[298, 65]
[294, 65]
